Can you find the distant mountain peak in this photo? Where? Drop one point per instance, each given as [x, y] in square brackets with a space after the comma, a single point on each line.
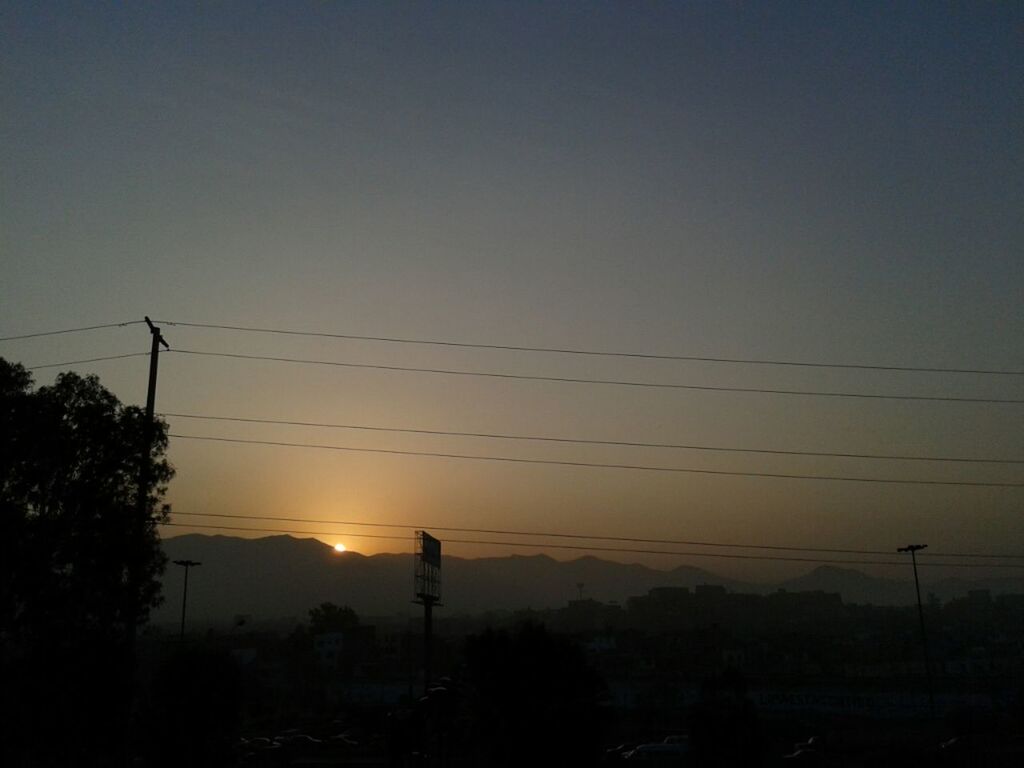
[283, 575]
[833, 570]
[542, 558]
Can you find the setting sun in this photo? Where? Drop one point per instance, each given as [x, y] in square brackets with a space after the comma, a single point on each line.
[339, 547]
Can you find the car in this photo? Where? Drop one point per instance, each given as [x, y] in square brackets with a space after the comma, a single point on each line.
[299, 742]
[659, 753]
[805, 756]
[614, 754]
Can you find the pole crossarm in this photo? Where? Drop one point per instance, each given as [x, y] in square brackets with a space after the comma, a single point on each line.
[155, 330]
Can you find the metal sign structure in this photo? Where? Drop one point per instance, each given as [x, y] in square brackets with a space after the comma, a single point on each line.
[428, 593]
[428, 568]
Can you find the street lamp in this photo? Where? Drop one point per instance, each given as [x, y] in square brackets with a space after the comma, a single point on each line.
[913, 549]
[186, 564]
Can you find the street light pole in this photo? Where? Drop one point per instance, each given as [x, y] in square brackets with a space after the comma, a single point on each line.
[913, 549]
[186, 564]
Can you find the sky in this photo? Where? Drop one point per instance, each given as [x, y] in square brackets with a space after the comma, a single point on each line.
[826, 182]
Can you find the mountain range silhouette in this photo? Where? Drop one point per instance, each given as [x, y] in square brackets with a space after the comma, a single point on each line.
[282, 576]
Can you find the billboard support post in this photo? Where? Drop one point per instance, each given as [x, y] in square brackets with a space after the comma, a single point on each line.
[427, 589]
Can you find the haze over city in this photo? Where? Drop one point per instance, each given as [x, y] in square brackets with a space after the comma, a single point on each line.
[785, 183]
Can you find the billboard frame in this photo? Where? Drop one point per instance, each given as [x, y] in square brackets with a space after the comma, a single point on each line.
[427, 575]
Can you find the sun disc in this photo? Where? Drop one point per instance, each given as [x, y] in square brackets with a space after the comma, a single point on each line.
[339, 547]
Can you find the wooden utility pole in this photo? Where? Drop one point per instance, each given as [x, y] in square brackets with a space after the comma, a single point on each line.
[136, 527]
[145, 469]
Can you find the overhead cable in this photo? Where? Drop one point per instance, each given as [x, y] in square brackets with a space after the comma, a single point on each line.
[594, 353]
[643, 467]
[90, 360]
[582, 441]
[607, 382]
[580, 548]
[69, 330]
[581, 536]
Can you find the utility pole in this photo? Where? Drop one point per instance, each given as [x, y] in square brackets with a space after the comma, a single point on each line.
[136, 527]
[913, 549]
[147, 426]
[137, 524]
[186, 564]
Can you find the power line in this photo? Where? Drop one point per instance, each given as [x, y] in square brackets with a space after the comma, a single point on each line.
[555, 462]
[581, 441]
[90, 360]
[579, 548]
[611, 382]
[69, 330]
[549, 534]
[381, 536]
[593, 353]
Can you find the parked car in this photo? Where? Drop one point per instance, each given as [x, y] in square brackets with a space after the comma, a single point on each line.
[673, 754]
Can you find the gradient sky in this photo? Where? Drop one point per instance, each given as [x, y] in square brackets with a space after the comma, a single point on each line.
[822, 182]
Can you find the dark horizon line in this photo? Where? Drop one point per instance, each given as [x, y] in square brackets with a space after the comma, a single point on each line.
[313, 535]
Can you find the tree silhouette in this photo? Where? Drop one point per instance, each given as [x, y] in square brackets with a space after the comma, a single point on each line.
[531, 699]
[80, 562]
[193, 710]
[328, 617]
